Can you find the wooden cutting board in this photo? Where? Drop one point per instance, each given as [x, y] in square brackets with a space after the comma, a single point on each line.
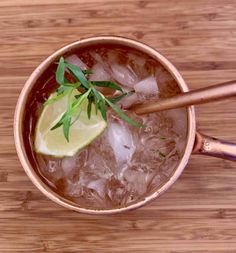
[198, 214]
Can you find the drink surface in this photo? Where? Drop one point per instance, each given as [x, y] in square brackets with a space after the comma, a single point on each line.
[125, 163]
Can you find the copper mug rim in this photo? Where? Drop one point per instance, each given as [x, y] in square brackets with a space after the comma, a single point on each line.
[18, 122]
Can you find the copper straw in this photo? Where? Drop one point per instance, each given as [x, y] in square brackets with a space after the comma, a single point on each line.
[199, 96]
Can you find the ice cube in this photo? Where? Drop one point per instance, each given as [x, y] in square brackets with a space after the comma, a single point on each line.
[147, 86]
[124, 75]
[96, 57]
[100, 161]
[74, 189]
[68, 164]
[179, 118]
[117, 192]
[137, 60]
[99, 73]
[121, 141]
[98, 186]
[129, 101]
[53, 169]
[136, 181]
[179, 125]
[75, 60]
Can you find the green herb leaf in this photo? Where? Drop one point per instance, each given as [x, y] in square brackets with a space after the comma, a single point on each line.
[78, 96]
[98, 95]
[66, 127]
[96, 103]
[102, 107]
[78, 102]
[118, 98]
[101, 104]
[87, 71]
[61, 89]
[78, 74]
[60, 72]
[77, 117]
[89, 108]
[76, 85]
[60, 122]
[108, 84]
[70, 101]
[122, 115]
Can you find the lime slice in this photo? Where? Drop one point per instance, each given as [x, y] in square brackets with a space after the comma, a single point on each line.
[82, 132]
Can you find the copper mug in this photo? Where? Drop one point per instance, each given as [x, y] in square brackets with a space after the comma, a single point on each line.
[195, 143]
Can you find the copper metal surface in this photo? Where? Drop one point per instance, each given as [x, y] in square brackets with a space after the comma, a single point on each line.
[210, 146]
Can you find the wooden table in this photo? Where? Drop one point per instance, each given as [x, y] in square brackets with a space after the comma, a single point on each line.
[199, 213]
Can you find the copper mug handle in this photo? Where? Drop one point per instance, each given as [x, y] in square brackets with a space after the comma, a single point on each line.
[211, 146]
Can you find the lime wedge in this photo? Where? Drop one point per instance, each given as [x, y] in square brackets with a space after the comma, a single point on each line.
[82, 132]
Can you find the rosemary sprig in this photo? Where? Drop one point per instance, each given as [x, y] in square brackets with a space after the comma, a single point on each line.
[88, 92]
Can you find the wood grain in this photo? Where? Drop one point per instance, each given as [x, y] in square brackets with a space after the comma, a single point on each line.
[198, 214]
